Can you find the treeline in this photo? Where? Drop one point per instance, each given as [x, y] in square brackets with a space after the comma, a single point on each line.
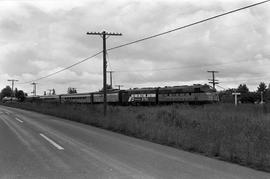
[262, 93]
[7, 92]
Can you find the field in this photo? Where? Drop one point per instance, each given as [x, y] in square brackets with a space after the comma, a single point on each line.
[237, 134]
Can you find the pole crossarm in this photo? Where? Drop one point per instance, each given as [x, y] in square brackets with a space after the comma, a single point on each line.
[104, 32]
[13, 80]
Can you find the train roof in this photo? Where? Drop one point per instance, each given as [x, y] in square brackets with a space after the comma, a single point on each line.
[142, 89]
[172, 87]
[73, 94]
[49, 96]
[187, 86]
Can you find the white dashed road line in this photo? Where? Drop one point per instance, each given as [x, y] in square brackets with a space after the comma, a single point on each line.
[19, 120]
[52, 142]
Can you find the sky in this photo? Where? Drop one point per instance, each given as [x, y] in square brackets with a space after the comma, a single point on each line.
[40, 37]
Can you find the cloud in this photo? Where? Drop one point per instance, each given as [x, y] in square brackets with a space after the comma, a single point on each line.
[39, 38]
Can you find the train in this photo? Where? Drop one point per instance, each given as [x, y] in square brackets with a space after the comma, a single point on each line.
[192, 94]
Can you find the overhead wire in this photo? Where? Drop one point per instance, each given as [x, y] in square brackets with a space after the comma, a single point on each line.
[54, 73]
[220, 87]
[188, 25]
[150, 37]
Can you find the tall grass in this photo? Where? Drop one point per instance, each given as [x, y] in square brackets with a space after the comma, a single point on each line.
[238, 134]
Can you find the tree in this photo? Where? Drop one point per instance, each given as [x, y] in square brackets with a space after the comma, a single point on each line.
[267, 94]
[262, 87]
[242, 88]
[249, 97]
[20, 95]
[6, 92]
[261, 91]
[246, 96]
[226, 96]
[71, 90]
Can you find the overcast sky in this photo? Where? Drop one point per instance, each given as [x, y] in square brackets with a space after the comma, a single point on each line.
[39, 37]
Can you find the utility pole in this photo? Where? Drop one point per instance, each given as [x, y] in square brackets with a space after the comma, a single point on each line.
[110, 77]
[213, 80]
[34, 88]
[104, 36]
[12, 84]
[50, 91]
[119, 86]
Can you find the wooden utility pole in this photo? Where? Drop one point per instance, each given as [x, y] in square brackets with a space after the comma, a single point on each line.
[12, 84]
[110, 77]
[213, 80]
[50, 91]
[34, 88]
[104, 36]
[119, 86]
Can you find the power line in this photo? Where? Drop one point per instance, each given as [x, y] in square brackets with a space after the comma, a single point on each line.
[189, 25]
[221, 87]
[153, 36]
[54, 73]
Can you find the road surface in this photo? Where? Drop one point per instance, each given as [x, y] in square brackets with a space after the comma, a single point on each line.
[34, 145]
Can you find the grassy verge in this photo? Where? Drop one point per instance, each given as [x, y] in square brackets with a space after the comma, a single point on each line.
[237, 134]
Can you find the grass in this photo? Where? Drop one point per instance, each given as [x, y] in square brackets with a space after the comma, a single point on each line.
[237, 134]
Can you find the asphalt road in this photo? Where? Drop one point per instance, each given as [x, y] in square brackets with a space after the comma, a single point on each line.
[35, 146]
